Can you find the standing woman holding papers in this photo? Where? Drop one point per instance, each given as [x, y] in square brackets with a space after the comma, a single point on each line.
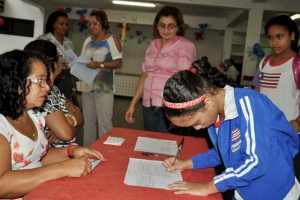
[56, 30]
[166, 55]
[104, 49]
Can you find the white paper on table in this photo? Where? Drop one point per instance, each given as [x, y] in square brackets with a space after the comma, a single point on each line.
[94, 162]
[117, 141]
[149, 173]
[81, 71]
[167, 147]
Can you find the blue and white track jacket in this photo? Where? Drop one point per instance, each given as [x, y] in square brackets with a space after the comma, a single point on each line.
[256, 144]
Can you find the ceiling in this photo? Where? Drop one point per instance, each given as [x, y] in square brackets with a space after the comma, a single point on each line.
[234, 10]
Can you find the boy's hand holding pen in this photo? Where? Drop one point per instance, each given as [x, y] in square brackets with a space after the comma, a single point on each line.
[174, 164]
[178, 150]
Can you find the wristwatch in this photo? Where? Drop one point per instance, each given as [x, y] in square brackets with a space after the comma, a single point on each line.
[101, 65]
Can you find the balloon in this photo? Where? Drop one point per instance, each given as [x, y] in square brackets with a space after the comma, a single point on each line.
[198, 36]
[83, 23]
[81, 11]
[68, 9]
[256, 52]
[2, 22]
[82, 18]
[202, 27]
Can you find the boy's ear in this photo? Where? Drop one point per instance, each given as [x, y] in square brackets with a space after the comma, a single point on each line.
[208, 103]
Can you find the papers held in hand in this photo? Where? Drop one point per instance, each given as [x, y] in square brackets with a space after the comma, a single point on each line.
[79, 68]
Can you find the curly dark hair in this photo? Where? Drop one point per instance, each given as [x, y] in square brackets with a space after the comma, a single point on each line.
[52, 19]
[48, 52]
[289, 24]
[101, 18]
[167, 11]
[15, 67]
[186, 86]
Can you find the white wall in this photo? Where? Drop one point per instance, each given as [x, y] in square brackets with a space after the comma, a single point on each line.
[133, 53]
[22, 10]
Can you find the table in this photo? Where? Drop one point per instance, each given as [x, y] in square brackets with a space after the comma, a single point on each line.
[106, 181]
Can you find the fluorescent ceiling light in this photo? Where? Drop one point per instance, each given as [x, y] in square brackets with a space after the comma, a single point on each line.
[134, 3]
[295, 16]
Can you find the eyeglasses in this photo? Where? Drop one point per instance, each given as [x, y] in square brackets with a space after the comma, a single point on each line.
[166, 26]
[41, 82]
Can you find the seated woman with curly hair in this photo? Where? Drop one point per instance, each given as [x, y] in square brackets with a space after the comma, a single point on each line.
[26, 161]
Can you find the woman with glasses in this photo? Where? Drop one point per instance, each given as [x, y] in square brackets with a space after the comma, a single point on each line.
[26, 160]
[61, 115]
[165, 56]
[104, 49]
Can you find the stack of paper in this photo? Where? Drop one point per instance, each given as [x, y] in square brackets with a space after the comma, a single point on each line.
[118, 141]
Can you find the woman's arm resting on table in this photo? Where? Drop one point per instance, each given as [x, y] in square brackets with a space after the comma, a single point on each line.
[16, 183]
[60, 154]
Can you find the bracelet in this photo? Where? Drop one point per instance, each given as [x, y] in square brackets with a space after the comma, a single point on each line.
[72, 117]
[70, 150]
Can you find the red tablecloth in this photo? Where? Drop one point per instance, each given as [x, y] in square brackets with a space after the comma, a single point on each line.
[106, 181]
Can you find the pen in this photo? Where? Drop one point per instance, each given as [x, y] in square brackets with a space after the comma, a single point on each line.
[178, 150]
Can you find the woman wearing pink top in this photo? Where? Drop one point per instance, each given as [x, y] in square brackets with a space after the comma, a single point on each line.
[165, 56]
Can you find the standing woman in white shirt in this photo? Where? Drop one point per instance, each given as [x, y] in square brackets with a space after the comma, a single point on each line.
[97, 99]
[56, 31]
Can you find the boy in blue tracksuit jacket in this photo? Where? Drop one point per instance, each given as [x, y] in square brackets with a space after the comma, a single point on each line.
[253, 139]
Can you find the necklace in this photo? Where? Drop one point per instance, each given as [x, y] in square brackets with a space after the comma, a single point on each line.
[28, 130]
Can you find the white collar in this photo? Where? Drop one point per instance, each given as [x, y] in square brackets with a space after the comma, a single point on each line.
[230, 109]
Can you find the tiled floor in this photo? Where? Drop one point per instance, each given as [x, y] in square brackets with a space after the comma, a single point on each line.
[120, 106]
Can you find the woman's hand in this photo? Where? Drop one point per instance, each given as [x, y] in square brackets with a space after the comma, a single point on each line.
[199, 189]
[179, 165]
[129, 115]
[52, 139]
[75, 111]
[93, 65]
[77, 167]
[85, 152]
